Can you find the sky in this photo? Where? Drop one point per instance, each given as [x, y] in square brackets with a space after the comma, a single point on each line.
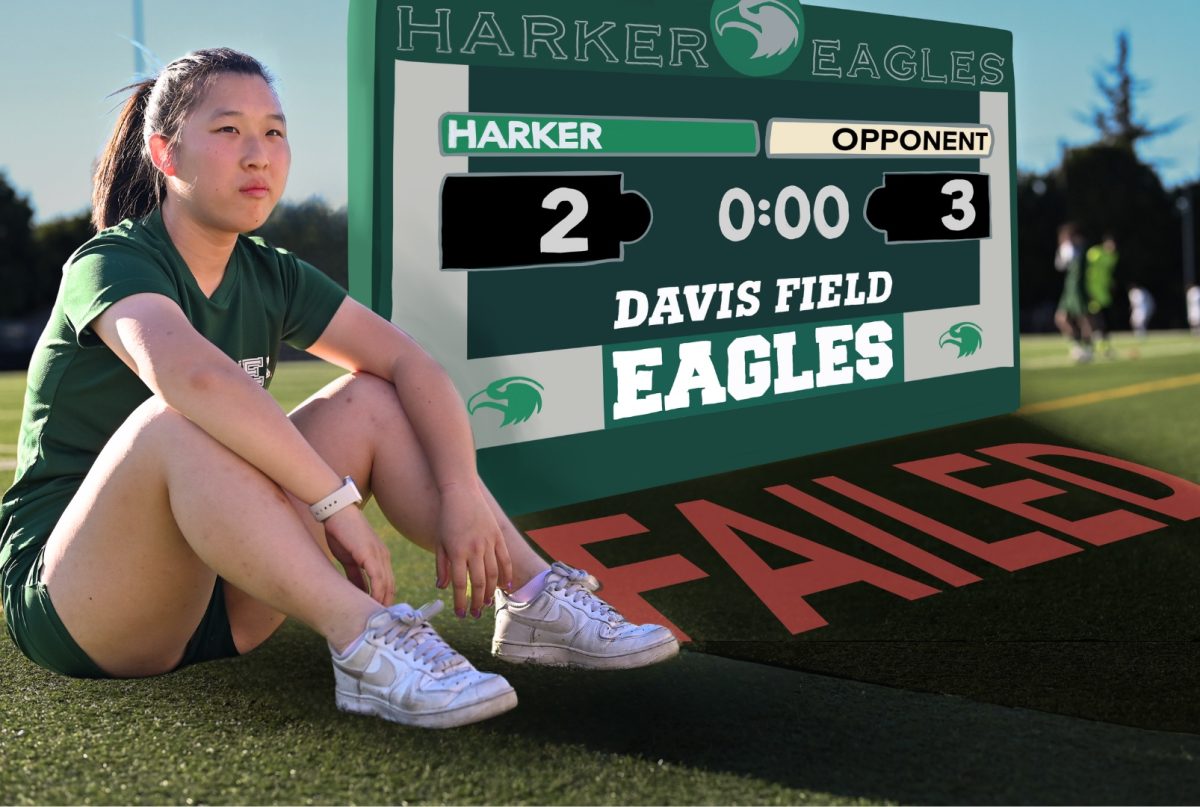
[61, 59]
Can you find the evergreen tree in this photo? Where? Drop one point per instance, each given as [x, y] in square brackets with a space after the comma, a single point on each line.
[1117, 124]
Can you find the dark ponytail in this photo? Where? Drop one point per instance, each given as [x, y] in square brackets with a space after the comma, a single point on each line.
[126, 183]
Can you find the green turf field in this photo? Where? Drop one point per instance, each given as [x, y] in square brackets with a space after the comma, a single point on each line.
[1070, 682]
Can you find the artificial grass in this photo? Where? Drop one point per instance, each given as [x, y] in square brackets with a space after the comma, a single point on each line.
[701, 730]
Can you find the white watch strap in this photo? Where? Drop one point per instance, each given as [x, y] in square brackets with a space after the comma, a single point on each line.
[341, 498]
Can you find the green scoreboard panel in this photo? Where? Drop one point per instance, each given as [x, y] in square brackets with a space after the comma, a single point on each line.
[652, 241]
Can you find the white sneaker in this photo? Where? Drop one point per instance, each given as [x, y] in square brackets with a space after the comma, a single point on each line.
[401, 670]
[567, 625]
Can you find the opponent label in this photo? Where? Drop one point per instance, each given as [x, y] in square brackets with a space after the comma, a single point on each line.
[805, 138]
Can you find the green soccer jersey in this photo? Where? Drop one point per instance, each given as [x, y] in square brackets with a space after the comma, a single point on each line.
[79, 392]
[1098, 278]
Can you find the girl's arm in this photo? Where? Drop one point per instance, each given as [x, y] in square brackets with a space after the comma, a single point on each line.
[193, 376]
[470, 545]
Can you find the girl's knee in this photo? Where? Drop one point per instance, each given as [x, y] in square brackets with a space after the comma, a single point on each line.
[155, 414]
[370, 390]
[183, 449]
[362, 393]
[367, 399]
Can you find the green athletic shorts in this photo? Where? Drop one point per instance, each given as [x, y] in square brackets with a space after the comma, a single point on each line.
[36, 629]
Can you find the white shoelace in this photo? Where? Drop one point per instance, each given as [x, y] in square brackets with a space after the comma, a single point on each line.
[412, 633]
[579, 586]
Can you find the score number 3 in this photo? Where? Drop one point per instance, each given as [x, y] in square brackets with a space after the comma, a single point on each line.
[556, 241]
[961, 192]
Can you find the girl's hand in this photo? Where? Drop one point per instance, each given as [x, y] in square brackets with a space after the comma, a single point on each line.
[470, 547]
[361, 552]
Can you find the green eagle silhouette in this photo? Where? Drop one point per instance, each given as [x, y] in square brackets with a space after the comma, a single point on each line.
[775, 26]
[516, 396]
[966, 336]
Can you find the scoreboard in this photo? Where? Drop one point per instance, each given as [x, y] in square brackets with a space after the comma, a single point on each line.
[657, 240]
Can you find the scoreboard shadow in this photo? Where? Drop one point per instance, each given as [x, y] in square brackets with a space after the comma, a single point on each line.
[1104, 631]
[848, 739]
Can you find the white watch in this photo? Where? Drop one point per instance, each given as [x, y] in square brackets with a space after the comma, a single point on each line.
[340, 499]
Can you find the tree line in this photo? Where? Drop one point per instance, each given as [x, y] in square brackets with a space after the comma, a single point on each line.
[32, 256]
[1104, 187]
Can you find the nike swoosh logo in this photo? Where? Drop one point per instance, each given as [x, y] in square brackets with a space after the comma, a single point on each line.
[417, 694]
[383, 673]
[562, 623]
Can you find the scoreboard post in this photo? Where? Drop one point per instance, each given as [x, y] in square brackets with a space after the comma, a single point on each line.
[657, 241]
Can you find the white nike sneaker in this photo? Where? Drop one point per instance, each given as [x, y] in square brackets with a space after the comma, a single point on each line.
[401, 670]
[566, 625]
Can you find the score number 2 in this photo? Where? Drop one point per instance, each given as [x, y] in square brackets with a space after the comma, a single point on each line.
[556, 241]
[511, 221]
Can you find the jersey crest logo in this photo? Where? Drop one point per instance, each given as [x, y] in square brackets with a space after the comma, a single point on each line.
[257, 369]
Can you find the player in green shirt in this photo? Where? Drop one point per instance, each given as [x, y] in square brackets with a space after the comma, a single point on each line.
[1071, 316]
[1099, 281]
[166, 511]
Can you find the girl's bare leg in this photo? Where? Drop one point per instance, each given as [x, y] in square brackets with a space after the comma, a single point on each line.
[131, 565]
[357, 425]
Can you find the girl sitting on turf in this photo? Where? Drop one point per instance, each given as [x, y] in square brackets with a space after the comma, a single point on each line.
[165, 511]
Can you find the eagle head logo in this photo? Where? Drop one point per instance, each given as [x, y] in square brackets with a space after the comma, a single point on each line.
[758, 37]
[519, 398]
[966, 336]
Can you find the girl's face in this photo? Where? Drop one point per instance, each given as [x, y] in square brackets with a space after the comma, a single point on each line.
[230, 162]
